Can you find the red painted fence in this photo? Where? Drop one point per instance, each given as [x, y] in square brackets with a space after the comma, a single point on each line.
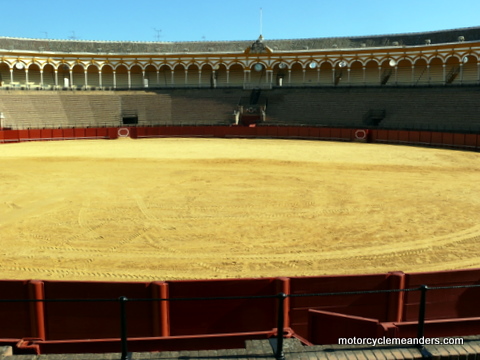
[50, 326]
[423, 138]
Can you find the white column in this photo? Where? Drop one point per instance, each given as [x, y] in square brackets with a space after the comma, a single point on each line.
[172, 76]
[129, 79]
[86, 77]
[186, 76]
[26, 77]
[364, 75]
[41, 78]
[114, 79]
[289, 76]
[11, 76]
[100, 77]
[70, 74]
[56, 77]
[228, 77]
[199, 78]
[444, 66]
[413, 75]
[158, 77]
[478, 72]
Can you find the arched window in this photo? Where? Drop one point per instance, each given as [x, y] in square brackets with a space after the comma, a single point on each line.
[164, 76]
[436, 70]
[34, 78]
[357, 75]
[236, 75]
[121, 74]
[404, 72]
[93, 76]
[193, 79]
[107, 76]
[136, 77]
[151, 78]
[78, 74]
[421, 72]
[326, 74]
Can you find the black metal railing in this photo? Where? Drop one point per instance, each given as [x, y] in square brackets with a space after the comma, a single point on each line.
[281, 297]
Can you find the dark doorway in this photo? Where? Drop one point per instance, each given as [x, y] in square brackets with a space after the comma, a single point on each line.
[130, 120]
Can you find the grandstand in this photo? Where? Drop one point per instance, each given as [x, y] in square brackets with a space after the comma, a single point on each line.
[420, 88]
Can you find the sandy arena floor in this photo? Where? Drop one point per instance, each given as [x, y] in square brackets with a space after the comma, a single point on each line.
[162, 209]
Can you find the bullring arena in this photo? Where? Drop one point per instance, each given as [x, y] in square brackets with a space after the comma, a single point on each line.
[171, 209]
[316, 188]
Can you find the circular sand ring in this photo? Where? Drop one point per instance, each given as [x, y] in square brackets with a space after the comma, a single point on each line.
[123, 132]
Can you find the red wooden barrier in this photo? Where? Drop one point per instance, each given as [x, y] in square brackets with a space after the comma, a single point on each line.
[426, 137]
[23, 135]
[314, 132]
[414, 137]
[403, 136]
[102, 133]
[439, 139]
[262, 131]
[272, 131]
[96, 320]
[79, 133]
[447, 139]
[384, 307]
[449, 303]
[46, 134]
[449, 311]
[324, 133]
[471, 141]
[459, 140]
[8, 136]
[436, 139]
[16, 317]
[282, 131]
[34, 134]
[303, 132]
[335, 134]
[325, 327]
[347, 134]
[381, 136]
[91, 132]
[208, 316]
[142, 132]
[57, 134]
[293, 131]
[69, 134]
[112, 133]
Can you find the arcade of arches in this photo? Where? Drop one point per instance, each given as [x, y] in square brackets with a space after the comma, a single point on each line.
[257, 71]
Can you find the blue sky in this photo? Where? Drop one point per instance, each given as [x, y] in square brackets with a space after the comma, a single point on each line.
[213, 20]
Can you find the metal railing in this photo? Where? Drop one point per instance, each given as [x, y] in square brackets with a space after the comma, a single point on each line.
[281, 297]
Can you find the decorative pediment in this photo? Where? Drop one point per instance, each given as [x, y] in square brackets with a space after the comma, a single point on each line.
[258, 47]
